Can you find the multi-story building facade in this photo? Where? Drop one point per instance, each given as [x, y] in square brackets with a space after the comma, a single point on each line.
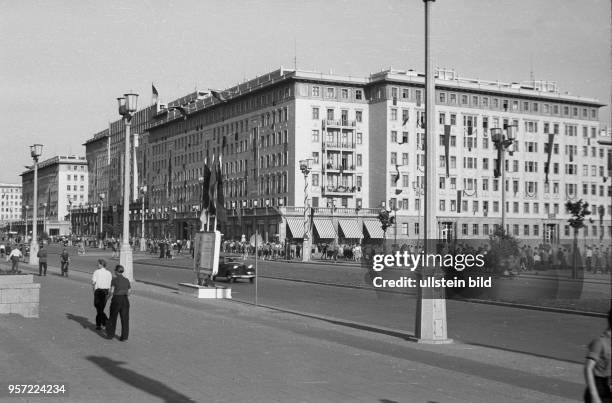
[62, 186]
[366, 139]
[10, 204]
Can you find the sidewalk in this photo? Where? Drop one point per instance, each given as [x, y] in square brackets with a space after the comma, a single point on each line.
[183, 349]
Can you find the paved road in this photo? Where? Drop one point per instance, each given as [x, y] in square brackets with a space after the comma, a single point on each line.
[554, 335]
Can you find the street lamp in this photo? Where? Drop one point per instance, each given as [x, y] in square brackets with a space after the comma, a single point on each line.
[143, 247]
[35, 152]
[127, 106]
[306, 167]
[502, 143]
[101, 242]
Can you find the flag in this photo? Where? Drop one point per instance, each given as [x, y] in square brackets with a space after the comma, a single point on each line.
[421, 122]
[498, 163]
[205, 185]
[155, 97]
[551, 140]
[447, 135]
[212, 187]
[459, 193]
[220, 202]
[218, 95]
[169, 177]
[602, 211]
[405, 121]
[397, 176]
[571, 153]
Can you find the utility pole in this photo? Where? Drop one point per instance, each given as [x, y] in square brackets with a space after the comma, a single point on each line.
[431, 304]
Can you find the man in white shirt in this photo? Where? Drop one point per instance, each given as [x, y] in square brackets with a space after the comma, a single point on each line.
[101, 282]
[14, 257]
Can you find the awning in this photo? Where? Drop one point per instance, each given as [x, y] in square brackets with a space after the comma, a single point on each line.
[374, 229]
[351, 229]
[325, 228]
[296, 226]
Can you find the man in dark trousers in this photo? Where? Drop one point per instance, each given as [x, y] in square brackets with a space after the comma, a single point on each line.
[42, 260]
[65, 260]
[101, 282]
[120, 305]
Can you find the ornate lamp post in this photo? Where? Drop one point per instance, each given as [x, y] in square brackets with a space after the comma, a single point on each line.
[306, 167]
[143, 246]
[35, 152]
[127, 107]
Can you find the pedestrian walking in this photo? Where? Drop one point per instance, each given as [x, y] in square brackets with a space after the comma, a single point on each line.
[15, 256]
[120, 305]
[101, 283]
[64, 262]
[42, 261]
[597, 368]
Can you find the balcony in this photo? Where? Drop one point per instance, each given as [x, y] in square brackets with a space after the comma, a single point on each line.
[339, 123]
[330, 168]
[338, 190]
[347, 145]
[326, 211]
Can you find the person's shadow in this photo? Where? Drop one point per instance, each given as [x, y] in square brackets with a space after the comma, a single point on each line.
[86, 324]
[136, 380]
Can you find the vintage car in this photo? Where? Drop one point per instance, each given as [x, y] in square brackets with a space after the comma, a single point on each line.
[232, 269]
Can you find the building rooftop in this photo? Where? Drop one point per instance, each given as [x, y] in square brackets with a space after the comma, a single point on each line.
[58, 159]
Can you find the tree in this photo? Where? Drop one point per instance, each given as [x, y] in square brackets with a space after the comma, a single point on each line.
[385, 221]
[578, 211]
[503, 251]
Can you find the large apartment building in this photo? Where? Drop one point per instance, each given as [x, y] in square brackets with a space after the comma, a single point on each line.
[62, 186]
[10, 204]
[366, 139]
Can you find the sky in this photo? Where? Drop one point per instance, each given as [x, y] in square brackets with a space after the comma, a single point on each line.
[64, 63]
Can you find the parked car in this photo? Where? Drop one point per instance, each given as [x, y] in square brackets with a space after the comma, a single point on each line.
[231, 270]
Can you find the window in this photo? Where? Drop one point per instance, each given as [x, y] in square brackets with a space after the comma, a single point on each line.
[315, 136]
[474, 229]
[442, 205]
[393, 114]
[316, 91]
[393, 158]
[359, 160]
[393, 136]
[315, 113]
[344, 93]
[359, 181]
[330, 114]
[359, 138]
[330, 92]
[315, 179]
[315, 157]
[358, 94]
[359, 116]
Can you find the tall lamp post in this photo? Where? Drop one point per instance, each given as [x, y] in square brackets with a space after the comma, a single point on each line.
[430, 326]
[306, 167]
[502, 142]
[101, 230]
[127, 107]
[143, 246]
[35, 152]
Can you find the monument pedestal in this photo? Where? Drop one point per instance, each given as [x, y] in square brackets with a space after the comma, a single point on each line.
[199, 291]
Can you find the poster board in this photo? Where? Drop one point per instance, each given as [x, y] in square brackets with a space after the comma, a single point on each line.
[206, 253]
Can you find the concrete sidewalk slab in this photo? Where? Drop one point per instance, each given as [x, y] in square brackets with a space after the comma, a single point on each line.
[182, 349]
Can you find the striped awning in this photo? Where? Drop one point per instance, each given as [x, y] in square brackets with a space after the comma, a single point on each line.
[296, 226]
[351, 229]
[325, 228]
[374, 229]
